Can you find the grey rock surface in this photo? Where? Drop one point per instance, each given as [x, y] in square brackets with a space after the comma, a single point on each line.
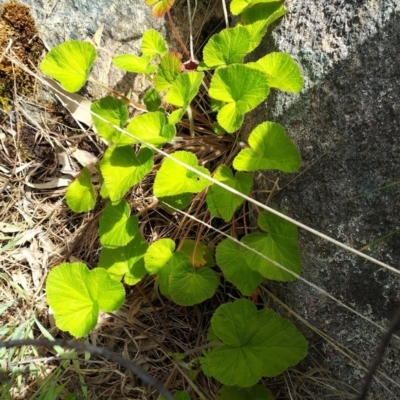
[346, 124]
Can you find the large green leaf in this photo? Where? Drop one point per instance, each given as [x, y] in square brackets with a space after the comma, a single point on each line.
[270, 148]
[80, 194]
[189, 285]
[279, 245]
[238, 6]
[221, 203]
[153, 44]
[151, 128]
[121, 169]
[256, 20]
[184, 89]
[152, 100]
[114, 112]
[127, 261]
[241, 88]
[232, 259]
[116, 226]
[227, 47]
[256, 392]
[198, 253]
[133, 63]
[69, 63]
[255, 344]
[173, 179]
[76, 296]
[282, 71]
[169, 70]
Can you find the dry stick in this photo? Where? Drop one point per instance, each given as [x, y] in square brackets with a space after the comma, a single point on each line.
[379, 355]
[143, 375]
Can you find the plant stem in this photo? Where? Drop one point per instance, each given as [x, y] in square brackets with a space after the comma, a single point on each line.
[201, 348]
[176, 34]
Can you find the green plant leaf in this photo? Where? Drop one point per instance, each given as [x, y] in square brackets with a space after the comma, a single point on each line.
[232, 259]
[80, 194]
[221, 203]
[69, 63]
[113, 111]
[257, 19]
[256, 392]
[256, 344]
[173, 179]
[76, 296]
[184, 88]
[270, 148]
[121, 169]
[153, 44]
[151, 128]
[116, 226]
[180, 201]
[180, 396]
[243, 90]
[169, 70]
[198, 253]
[160, 7]
[238, 6]
[152, 100]
[189, 285]
[133, 63]
[227, 47]
[281, 70]
[127, 261]
[279, 245]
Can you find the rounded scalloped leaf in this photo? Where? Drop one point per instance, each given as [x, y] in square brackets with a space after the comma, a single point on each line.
[189, 285]
[69, 63]
[232, 259]
[133, 63]
[80, 194]
[158, 254]
[76, 296]
[152, 100]
[198, 253]
[174, 179]
[153, 43]
[125, 262]
[184, 88]
[121, 169]
[161, 7]
[180, 201]
[169, 70]
[270, 148]
[115, 112]
[256, 392]
[227, 47]
[282, 71]
[221, 203]
[230, 118]
[238, 6]
[151, 128]
[116, 226]
[256, 344]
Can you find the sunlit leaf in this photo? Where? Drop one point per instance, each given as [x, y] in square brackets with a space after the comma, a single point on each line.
[169, 70]
[80, 194]
[153, 43]
[152, 100]
[184, 88]
[133, 63]
[160, 7]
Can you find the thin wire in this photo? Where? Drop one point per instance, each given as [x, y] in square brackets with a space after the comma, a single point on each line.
[381, 328]
[191, 27]
[226, 187]
[225, 13]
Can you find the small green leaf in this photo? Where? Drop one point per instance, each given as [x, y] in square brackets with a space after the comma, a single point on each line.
[80, 194]
[127, 261]
[238, 6]
[69, 63]
[151, 128]
[173, 179]
[180, 201]
[153, 44]
[279, 245]
[270, 148]
[232, 259]
[227, 47]
[76, 296]
[243, 90]
[257, 19]
[116, 226]
[113, 111]
[180, 396]
[256, 344]
[221, 203]
[169, 70]
[161, 6]
[189, 285]
[198, 253]
[121, 169]
[152, 100]
[176, 116]
[184, 89]
[256, 392]
[282, 71]
[133, 63]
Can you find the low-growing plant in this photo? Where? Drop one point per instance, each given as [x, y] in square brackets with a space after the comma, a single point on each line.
[247, 343]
